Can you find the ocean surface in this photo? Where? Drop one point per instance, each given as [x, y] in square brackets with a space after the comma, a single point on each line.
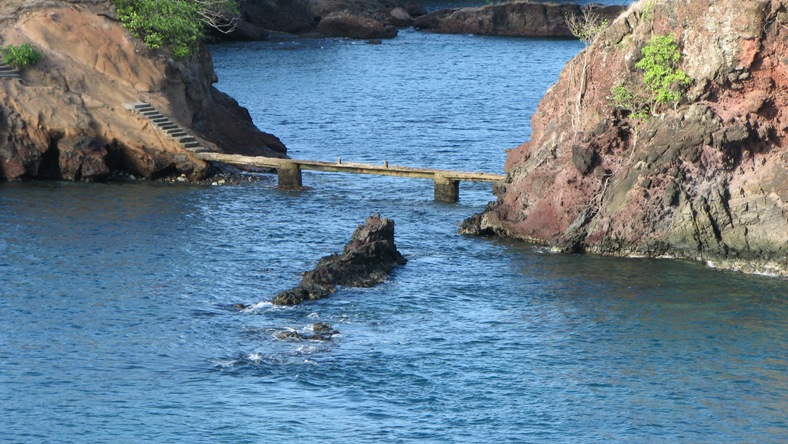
[117, 317]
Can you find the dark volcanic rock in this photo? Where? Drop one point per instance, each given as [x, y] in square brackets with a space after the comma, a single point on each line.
[511, 19]
[355, 26]
[367, 260]
[319, 331]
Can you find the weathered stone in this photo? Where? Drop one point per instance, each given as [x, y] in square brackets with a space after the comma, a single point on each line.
[711, 170]
[367, 260]
[355, 26]
[66, 119]
[527, 19]
[399, 18]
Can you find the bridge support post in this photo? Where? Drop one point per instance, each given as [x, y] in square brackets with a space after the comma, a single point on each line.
[446, 190]
[289, 174]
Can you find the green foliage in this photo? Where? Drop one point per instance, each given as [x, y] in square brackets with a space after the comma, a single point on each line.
[660, 69]
[663, 82]
[589, 33]
[623, 98]
[22, 56]
[174, 24]
[587, 25]
[647, 13]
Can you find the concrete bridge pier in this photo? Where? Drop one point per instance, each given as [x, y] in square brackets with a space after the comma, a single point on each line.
[289, 174]
[446, 190]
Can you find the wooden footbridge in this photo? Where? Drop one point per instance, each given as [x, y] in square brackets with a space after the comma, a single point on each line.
[447, 183]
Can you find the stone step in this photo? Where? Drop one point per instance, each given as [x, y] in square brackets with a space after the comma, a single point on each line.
[164, 123]
[8, 72]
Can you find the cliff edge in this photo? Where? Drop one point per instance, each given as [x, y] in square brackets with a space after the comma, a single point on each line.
[704, 179]
[65, 118]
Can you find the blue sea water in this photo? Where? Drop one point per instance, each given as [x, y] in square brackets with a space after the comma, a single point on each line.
[116, 300]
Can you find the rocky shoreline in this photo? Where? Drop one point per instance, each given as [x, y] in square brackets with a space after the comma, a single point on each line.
[516, 19]
[65, 117]
[704, 180]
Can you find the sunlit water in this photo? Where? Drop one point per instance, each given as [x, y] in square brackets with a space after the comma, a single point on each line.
[116, 317]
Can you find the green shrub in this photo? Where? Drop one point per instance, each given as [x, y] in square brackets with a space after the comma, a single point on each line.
[22, 56]
[648, 10]
[623, 98]
[174, 24]
[660, 69]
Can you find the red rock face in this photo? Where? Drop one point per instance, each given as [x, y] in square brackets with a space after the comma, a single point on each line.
[705, 180]
[66, 120]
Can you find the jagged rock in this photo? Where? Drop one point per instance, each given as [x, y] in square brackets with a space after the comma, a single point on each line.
[705, 180]
[320, 331]
[367, 260]
[66, 120]
[526, 19]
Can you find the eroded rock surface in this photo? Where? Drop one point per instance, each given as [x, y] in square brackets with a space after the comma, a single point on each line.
[367, 260]
[358, 19]
[65, 119]
[706, 180]
[524, 19]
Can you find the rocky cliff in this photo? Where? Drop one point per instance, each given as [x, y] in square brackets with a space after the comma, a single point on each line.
[522, 19]
[706, 179]
[65, 117]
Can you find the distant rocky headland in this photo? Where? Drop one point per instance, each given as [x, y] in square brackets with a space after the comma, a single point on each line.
[517, 19]
[666, 137]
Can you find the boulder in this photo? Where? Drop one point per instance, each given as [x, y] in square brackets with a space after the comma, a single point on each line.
[355, 26]
[367, 260]
[399, 17]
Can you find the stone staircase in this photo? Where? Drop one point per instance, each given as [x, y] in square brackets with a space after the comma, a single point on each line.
[164, 123]
[6, 72]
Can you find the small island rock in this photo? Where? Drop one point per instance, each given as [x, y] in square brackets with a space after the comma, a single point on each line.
[367, 260]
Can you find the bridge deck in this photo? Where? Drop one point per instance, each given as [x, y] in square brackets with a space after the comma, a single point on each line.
[289, 172]
[351, 167]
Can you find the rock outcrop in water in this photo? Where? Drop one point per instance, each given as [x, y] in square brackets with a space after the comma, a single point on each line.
[358, 19]
[367, 260]
[524, 19]
[706, 180]
[65, 119]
